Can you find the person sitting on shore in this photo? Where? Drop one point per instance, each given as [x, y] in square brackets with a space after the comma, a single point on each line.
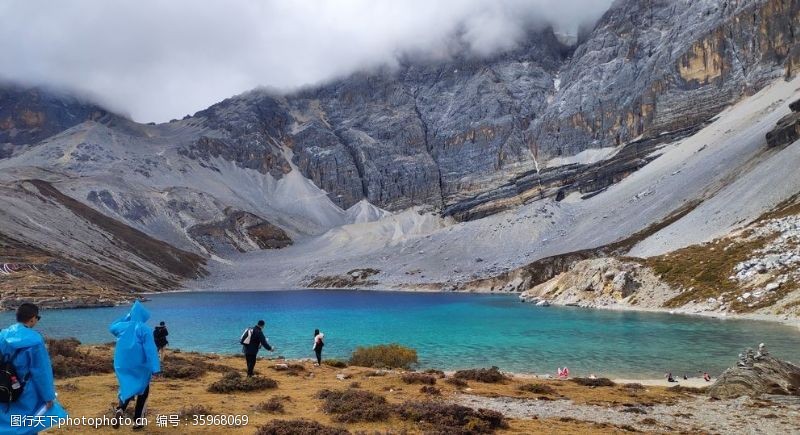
[706, 377]
[670, 378]
[563, 373]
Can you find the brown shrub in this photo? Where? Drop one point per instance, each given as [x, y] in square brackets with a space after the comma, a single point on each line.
[489, 376]
[428, 389]
[274, 405]
[451, 418]
[176, 367]
[339, 364]
[438, 373]
[418, 378]
[537, 389]
[384, 356]
[589, 382]
[234, 381]
[299, 427]
[351, 406]
[355, 385]
[460, 383]
[69, 361]
[187, 412]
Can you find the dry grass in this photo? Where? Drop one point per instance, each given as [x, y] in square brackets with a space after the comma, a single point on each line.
[95, 393]
[702, 270]
[392, 356]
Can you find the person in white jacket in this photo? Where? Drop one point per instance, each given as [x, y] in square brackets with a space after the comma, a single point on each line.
[319, 342]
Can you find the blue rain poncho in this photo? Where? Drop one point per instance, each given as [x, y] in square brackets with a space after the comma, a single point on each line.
[135, 356]
[32, 363]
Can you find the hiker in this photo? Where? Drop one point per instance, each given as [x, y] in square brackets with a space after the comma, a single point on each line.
[160, 336]
[319, 342]
[135, 362]
[31, 371]
[252, 340]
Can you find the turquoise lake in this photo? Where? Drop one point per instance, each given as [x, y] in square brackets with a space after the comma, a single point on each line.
[449, 331]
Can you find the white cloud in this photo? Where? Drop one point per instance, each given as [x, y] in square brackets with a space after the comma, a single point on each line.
[158, 60]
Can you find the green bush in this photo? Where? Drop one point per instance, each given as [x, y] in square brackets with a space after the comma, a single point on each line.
[384, 356]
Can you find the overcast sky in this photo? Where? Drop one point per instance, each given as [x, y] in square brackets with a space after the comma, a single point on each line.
[161, 59]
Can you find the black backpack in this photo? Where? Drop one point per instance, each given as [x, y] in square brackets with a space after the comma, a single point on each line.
[11, 385]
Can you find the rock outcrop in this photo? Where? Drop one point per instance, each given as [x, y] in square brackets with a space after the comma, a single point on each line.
[756, 374]
[788, 129]
[29, 115]
[240, 231]
[602, 282]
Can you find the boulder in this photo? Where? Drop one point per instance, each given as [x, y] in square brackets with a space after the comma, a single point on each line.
[757, 375]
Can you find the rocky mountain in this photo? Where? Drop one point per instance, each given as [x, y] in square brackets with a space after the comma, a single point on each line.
[437, 172]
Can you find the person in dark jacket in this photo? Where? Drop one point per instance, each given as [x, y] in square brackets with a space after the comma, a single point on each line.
[252, 340]
[319, 342]
[160, 334]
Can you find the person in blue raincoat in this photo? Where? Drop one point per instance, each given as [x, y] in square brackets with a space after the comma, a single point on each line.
[135, 361]
[32, 363]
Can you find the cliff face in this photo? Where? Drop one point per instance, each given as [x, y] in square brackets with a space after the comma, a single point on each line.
[29, 115]
[455, 134]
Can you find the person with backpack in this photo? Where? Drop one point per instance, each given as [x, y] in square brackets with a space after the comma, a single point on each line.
[252, 339]
[319, 342]
[26, 377]
[160, 336]
[135, 362]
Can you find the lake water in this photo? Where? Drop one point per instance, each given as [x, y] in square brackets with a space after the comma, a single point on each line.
[449, 331]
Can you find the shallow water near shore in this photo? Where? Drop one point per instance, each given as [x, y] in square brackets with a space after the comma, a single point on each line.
[449, 331]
